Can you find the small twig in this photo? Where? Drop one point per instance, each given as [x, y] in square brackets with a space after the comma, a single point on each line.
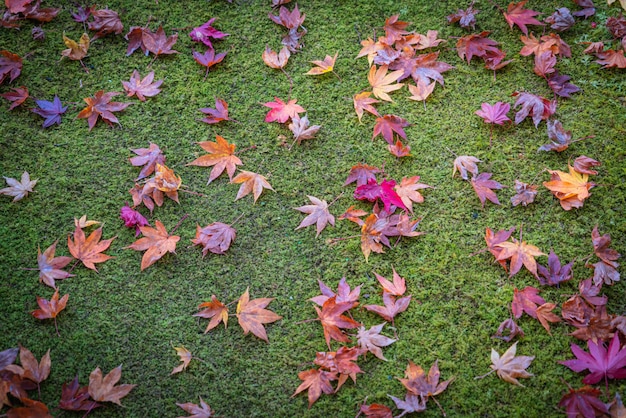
[306, 321]
[185, 216]
[206, 73]
[237, 220]
[436, 402]
[27, 268]
[246, 149]
[497, 6]
[73, 266]
[451, 152]
[193, 193]
[483, 376]
[583, 138]
[334, 200]
[290, 82]
[152, 62]
[90, 408]
[336, 240]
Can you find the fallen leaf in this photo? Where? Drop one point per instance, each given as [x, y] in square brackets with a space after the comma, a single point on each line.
[526, 300]
[361, 174]
[205, 32]
[381, 82]
[389, 124]
[561, 139]
[421, 91]
[220, 113]
[301, 129]
[342, 362]
[545, 315]
[465, 18]
[611, 58]
[584, 164]
[156, 241]
[142, 87]
[560, 20]
[344, 293]
[16, 97]
[104, 389]
[10, 66]
[51, 111]
[325, 66]
[185, 356]
[397, 288]
[105, 21]
[281, 112]
[391, 307]
[570, 188]
[216, 237]
[525, 193]
[18, 189]
[252, 315]
[76, 398]
[315, 381]
[363, 102]
[484, 188]
[539, 107]
[493, 240]
[561, 86]
[377, 410]
[89, 250]
[398, 150]
[250, 182]
[216, 311]
[554, 274]
[514, 330]
[318, 214]
[385, 191]
[408, 191]
[520, 253]
[495, 114]
[208, 59]
[76, 50]
[290, 20]
[411, 403]
[198, 411]
[516, 15]
[417, 382]
[332, 320]
[465, 164]
[371, 340]
[31, 409]
[100, 105]
[372, 238]
[50, 266]
[49, 309]
[158, 43]
[509, 367]
[583, 402]
[149, 158]
[221, 155]
[601, 363]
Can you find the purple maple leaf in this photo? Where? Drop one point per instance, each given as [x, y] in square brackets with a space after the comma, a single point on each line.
[561, 86]
[383, 191]
[554, 274]
[344, 293]
[52, 111]
[132, 218]
[600, 362]
[494, 114]
[82, 14]
[205, 32]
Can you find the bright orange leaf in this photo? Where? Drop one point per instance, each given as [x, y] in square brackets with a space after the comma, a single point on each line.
[156, 241]
[221, 155]
[89, 250]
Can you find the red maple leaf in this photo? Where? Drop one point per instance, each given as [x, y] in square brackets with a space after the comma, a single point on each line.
[384, 191]
[361, 173]
[10, 66]
[389, 124]
[281, 112]
[16, 97]
[526, 301]
[333, 321]
[216, 115]
[516, 15]
[157, 42]
[583, 402]
[539, 107]
[484, 188]
[208, 59]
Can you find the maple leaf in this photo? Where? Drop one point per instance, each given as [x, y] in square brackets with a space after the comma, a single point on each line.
[600, 247]
[208, 59]
[50, 266]
[51, 111]
[276, 60]
[493, 240]
[185, 356]
[315, 381]
[411, 403]
[372, 238]
[149, 158]
[135, 40]
[30, 409]
[132, 219]
[381, 82]
[220, 113]
[301, 129]
[323, 67]
[421, 91]
[371, 340]
[333, 321]
[561, 139]
[281, 112]
[158, 43]
[545, 315]
[375, 410]
[361, 174]
[551, 42]
[142, 87]
[391, 307]
[81, 15]
[10, 66]
[384, 191]
[560, 85]
[89, 250]
[495, 114]
[370, 49]
[344, 294]
[484, 188]
[216, 237]
[399, 150]
[104, 389]
[517, 15]
[526, 300]
[100, 105]
[602, 363]
[583, 165]
[35, 12]
[408, 191]
[510, 367]
[221, 156]
[525, 193]
[520, 253]
[318, 214]
[250, 182]
[478, 45]
[353, 214]
[397, 288]
[465, 164]
[583, 402]
[7, 357]
[198, 411]
[363, 102]
[389, 124]
[84, 223]
[156, 241]
[49, 309]
[465, 18]
[76, 50]
[30, 368]
[560, 20]
[539, 107]
[16, 97]
[290, 20]
[18, 189]
[216, 311]
[252, 315]
[588, 8]
[17, 6]
[417, 382]
[105, 21]
[514, 330]
[427, 68]
[75, 398]
[555, 274]
[616, 407]
[205, 32]
[571, 189]
[341, 362]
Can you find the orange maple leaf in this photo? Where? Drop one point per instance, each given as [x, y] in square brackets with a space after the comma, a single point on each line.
[252, 315]
[156, 241]
[89, 250]
[100, 105]
[250, 182]
[49, 309]
[315, 381]
[332, 320]
[571, 189]
[520, 253]
[325, 66]
[216, 310]
[104, 389]
[381, 81]
[221, 156]
[363, 101]
[276, 60]
[371, 235]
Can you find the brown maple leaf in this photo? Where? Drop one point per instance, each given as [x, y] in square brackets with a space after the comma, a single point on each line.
[371, 340]
[149, 158]
[545, 315]
[417, 382]
[372, 238]
[611, 58]
[104, 389]
[381, 82]
[539, 107]
[10, 65]
[290, 20]
[216, 310]
[601, 247]
[31, 409]
[221, 156]
[252, 315]
[142, 87]
[158, 43]
[484, 188]
[520, 254]
[30, 368]
[17, 97]
[105, 21]
[361, 173]
[325, 66]
[341, 362]
[363, 102]
[512, 327]
[198, 411]
[332, 319]
[50, 266]
[89, 250]
[100, 105]
[185, 356]
[315, 381]
[525, 193]
[156, 241]
[220, 113]
[215, 237]
[276, 60]
[509, 367]
[49, 309]
[250, 182]
[465, 164]
[585, 402]
[399, 150]
[76, 398]
[18, 189]
[318, 214]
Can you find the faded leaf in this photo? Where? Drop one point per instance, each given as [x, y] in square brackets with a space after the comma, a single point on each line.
[185, 356]
[510, 367]
[216, 311]
[221, 155]
[318, 214]
[250, 182]
[18, 189]
[50, 266]
[104, 389]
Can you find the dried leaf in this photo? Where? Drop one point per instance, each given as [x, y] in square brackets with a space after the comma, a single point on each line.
[156, 241]
[252, 315]
[89, 250]
[250, 182]
[509, 367]
[216, 311]
[185, 356]
[318, 214]
[50, 266]
[18, 189]
[142, 87]
[221, 155]
[104, 389]
[371, 340]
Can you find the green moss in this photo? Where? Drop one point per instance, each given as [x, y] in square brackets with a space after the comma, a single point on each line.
[123, 316]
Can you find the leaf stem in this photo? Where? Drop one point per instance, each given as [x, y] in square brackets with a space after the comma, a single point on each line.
[58, 335]
[334, 200]
[306, 321]
[185, 216]
[193, 193]
[483, 376]
[73, 266]
[236, 220]
[336, 240]
[290, 82]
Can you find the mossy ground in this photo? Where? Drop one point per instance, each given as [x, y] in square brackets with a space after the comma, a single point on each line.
[123, 316]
